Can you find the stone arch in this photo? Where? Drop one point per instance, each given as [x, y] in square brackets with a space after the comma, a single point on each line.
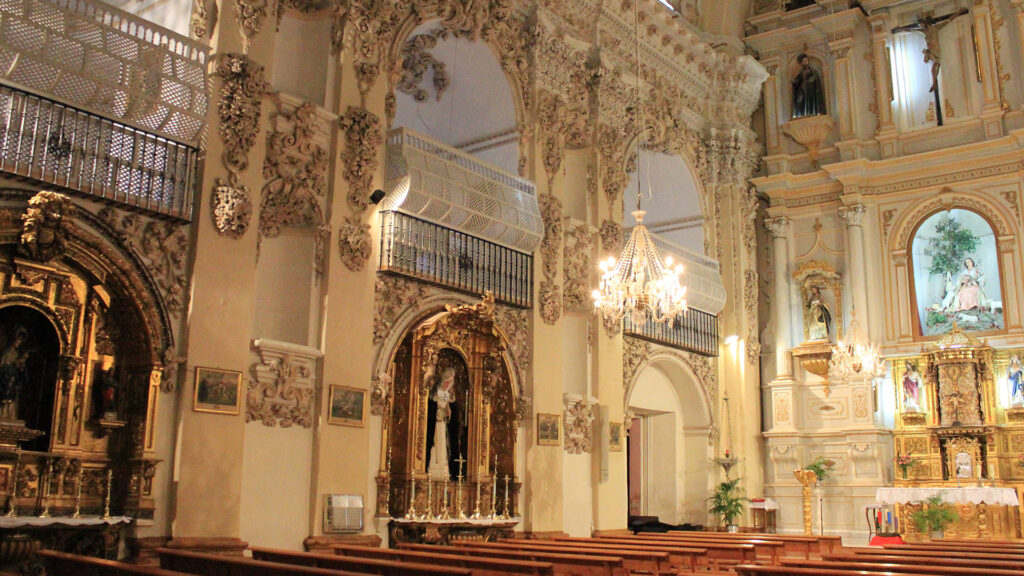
[674, 365]
[946, 199]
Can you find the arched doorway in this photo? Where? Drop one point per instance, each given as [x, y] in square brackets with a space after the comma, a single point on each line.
[670, 466]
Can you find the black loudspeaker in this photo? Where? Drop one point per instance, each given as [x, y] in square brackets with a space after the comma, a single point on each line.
[376, 197]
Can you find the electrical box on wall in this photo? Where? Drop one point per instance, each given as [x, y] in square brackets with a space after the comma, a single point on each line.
[343, 513]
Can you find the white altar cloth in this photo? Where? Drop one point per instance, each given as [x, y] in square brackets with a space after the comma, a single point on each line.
[964, 495]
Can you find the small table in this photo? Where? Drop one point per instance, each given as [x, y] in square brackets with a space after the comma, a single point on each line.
[764, 512]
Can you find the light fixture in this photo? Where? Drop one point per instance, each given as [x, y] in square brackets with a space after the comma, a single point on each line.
[857, 356]
[640, 284]
[732, 339]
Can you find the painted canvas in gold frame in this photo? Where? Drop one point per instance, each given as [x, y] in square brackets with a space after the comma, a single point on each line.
[549, 429]
[217, 391]
[615, 436]
[347, 406]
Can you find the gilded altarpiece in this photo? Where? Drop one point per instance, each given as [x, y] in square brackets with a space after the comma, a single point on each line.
[464, 343]
[951, 424]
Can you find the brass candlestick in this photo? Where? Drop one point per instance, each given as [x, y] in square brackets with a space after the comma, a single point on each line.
[78, 496]
[459, 513]
[430, 500]
[45, 481]
[444, 501]
[494, 489]
[476, 509]
[411, 513]
[106, 502]
[12, 506]
[504, 507]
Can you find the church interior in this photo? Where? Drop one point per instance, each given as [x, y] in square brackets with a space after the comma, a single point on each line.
[511, 286]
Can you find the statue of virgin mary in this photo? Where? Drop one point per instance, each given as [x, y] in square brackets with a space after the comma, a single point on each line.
[444, 395]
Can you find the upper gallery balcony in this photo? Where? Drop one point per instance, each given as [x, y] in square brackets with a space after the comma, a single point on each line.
[98, 101]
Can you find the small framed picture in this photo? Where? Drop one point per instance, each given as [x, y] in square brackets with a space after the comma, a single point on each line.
[615, 436]
[549, 429]
[347, 406]
[217, 391]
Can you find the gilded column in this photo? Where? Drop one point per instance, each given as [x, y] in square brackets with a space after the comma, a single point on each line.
[781, 306]
[853, 216]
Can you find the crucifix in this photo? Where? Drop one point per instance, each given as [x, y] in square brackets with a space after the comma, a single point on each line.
[458, 498]
[930, 25]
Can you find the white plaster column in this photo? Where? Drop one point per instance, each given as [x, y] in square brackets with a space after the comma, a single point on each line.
[880, 28]
[853, 216]
[844, 87]
[773, 93]
[992, 99]
[781, 306]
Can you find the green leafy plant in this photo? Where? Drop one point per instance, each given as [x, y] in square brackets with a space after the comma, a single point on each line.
[934, 516]
[726, 502]
[821, 467]
[950, 245]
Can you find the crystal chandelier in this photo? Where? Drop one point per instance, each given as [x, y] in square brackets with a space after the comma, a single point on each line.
[857, 356]
[640, 284]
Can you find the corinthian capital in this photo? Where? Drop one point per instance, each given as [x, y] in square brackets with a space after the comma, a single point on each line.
[777, 226]
[853, 214]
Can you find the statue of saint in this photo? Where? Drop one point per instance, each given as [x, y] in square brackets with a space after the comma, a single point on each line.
[808, 89]
[13, 373]
[911, 389]
[444, 395]
[965, 291]
[819, 318]
[1014, 377]
[930, 25]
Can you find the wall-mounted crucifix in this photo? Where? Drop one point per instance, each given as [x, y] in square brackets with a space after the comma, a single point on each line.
[930, 25]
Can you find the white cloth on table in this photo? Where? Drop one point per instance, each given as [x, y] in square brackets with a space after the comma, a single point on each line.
[964, 495]
[23, 521]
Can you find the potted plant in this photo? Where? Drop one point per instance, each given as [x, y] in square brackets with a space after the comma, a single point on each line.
[933, 517]
[726, 502]
[905, 461]
[821, 467]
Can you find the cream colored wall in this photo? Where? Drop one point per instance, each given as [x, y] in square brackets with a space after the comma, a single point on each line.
[275, 486]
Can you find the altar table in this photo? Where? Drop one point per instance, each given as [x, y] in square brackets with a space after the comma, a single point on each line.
[444, 531]
[21, 536]
[984, 512]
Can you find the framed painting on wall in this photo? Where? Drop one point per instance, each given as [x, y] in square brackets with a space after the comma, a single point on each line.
[956, 275]
[549, 429]
[347, 406]
[217, 391]
[615, 436]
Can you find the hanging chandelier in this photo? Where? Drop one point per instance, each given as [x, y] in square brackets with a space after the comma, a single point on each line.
[639, 283]
[857, 356]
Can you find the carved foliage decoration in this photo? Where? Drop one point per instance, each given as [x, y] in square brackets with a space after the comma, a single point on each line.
[578, 246]
[363, 138]
[296, 169]
[250, 15]
[283, 383]
[578, 421]
[354, 243]
[392, 296]
[611, 237]
[231, 208]
[550, 290]
[242, 90]
[550, 301]
[47, 226]
[750, 300]
[204, 17]
[416, 61]
[161, 245]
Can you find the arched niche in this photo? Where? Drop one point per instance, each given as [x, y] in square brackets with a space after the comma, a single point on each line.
[463, 344]
[452, 88]
[674, 410]
[30, 357]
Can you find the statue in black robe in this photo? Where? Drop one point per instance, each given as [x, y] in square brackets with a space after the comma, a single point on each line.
[808, 89]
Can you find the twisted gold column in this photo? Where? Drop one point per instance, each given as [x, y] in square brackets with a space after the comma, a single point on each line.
[807, 478]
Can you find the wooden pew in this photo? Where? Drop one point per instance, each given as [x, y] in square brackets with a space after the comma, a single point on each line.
[479, 566]
[901, 567]
[564, 564]
[681, 557]
[634, 560]
[749, 570]
[213, 565]
[953, 547]
[983, 555]
[62, 564]
[356, 564]
[927, 561]
[800, 544]
[725, 548]
[800, 547]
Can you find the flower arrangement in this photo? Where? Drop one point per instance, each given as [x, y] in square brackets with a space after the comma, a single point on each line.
[821, 466]
[905, 461]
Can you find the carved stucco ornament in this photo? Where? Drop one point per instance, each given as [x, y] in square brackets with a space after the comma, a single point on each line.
[354, 243]
[578, 267]
[47, 226]
[363, 139]
[578, 423]
[416, 62]
[381, 389]
[231, 208]
[283, 384]
[242, 90]
[161, 245]
[250, 15]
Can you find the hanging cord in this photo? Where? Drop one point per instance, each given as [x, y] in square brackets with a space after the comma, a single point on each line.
[639, 105]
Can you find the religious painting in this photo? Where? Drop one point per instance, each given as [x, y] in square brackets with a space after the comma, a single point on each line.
[217, 391]
[615, 436]
[956, 274]
[1014, 382]
[549, 429]
[347, 406]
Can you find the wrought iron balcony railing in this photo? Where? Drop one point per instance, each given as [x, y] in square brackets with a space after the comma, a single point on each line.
[439, 255]
[695, 331]
[57, 144]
